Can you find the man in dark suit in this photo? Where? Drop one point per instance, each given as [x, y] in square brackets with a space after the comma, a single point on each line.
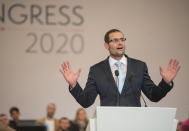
[119, 79]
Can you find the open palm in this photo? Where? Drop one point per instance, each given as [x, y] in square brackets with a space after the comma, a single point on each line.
[170, 73]
[70, 76]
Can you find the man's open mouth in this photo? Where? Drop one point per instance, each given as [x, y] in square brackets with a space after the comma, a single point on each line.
[120, 48]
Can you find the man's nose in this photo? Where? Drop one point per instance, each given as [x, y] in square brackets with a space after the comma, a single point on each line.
[120, 42]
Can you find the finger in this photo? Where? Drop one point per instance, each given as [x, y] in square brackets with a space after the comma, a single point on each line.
[79, 71]
[61, 71]
[178, 69]
[177, 63]
[64, 74]
[170, 62]
[69, 66]
[174, 62]
[64, 65]
[161, 70]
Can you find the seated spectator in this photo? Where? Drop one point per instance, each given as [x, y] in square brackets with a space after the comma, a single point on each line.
[4, 123]
[66, 125]
[81, 119]
[51, 122]
[15, 115]
[179, 126]
[185, 125]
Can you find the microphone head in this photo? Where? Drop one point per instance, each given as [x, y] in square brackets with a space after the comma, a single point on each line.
[116, 73]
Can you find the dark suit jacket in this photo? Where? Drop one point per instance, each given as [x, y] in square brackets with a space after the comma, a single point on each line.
[100, 81]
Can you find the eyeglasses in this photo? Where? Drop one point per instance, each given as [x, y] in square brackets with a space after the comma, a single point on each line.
[116, 40]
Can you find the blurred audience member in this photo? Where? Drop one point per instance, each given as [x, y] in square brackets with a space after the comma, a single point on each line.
[51, 122]
[81, 119]
[4, 119]
[4, 123]
[66, 125]
[185, 125]
[179, 126]
[15, 115]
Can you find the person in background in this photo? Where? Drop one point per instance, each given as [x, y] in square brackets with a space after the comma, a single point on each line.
[51, 122]
[81, 119]
[15, 115]
[179, 126]
[64, 124]
[4, 123]
[185, 125]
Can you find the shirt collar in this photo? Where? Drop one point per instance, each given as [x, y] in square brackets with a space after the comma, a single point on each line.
[112, 61]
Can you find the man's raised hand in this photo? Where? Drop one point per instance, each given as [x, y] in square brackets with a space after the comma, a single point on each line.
[170, 73]
[70, 76]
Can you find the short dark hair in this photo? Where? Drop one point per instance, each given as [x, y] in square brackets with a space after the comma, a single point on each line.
[106, 37]
[14, 109]
[64, 118]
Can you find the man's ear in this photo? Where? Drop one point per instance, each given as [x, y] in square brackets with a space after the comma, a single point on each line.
[106, 46]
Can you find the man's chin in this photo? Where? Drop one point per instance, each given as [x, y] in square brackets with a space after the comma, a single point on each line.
[117, 55]
[50, 116]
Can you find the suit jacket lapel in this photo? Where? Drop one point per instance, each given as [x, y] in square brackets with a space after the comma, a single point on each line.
[128, 75]
[128, 78]
[108, 72]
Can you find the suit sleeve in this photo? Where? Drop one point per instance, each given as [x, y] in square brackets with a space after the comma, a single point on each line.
[87, 96]
[153, 92]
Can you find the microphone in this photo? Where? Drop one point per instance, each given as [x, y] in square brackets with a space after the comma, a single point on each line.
[117, 82]
[116, 73]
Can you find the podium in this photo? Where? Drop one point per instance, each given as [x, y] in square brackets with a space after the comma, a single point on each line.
[133, 119]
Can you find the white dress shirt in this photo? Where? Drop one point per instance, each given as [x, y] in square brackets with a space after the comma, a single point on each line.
[50, 125]
[113, 67]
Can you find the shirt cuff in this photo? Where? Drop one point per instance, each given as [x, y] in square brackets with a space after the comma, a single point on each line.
[70, 88]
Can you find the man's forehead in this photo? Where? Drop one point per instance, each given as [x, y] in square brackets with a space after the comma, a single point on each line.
[115, 35]
[64, 120]
[51, 106]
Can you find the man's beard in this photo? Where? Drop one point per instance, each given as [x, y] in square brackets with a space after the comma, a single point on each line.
[117, 55]
[50, 115]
